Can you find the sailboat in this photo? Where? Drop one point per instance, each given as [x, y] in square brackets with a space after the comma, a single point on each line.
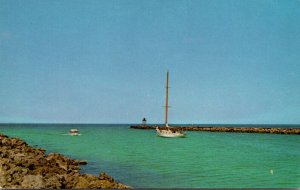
[168, 132]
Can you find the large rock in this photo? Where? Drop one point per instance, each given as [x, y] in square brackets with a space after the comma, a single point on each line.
[33, 182]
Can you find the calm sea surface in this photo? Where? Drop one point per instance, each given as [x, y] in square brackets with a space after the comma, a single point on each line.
[203, 160]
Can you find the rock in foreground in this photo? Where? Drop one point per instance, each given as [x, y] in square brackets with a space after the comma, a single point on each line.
[22, 166]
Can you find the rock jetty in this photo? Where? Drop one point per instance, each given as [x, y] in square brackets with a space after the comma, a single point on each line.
[226, 129]
[22, 166]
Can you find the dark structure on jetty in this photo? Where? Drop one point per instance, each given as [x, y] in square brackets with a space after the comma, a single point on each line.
[225, 129]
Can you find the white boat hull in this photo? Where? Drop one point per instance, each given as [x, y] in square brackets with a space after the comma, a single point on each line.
[169, 133]
[74, 134]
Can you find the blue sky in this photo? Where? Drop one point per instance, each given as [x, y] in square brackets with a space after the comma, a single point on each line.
[106, 61]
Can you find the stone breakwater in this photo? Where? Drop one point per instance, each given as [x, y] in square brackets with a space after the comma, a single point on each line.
[226, 129]
[22, 166]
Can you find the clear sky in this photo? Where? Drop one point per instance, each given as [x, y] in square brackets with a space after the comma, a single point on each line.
[91, 61]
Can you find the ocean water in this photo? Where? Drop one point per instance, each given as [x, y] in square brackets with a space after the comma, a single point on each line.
[202, 160]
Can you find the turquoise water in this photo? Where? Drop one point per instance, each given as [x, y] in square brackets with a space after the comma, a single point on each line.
[202, 160]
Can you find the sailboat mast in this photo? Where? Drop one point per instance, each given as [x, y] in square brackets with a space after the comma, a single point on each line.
[167, 98]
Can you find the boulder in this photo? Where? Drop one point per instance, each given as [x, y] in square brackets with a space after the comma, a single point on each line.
[33, 182]
[81, 162]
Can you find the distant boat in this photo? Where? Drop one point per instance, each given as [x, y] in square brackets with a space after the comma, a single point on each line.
[168, 132]
[73, 132]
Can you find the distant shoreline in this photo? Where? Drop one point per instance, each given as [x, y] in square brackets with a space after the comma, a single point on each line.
[225, 129]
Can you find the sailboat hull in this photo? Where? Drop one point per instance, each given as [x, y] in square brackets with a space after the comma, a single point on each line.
[169, 133]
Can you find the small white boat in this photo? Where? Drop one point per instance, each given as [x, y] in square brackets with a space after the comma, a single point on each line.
[168, 132]
[73, 132]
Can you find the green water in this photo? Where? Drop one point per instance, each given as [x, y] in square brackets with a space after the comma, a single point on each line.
[202, 160]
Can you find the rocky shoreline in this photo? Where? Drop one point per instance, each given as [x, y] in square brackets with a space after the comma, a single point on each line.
[22, 166]
[226, 129]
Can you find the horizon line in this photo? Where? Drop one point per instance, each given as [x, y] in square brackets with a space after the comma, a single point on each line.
[66, 123]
